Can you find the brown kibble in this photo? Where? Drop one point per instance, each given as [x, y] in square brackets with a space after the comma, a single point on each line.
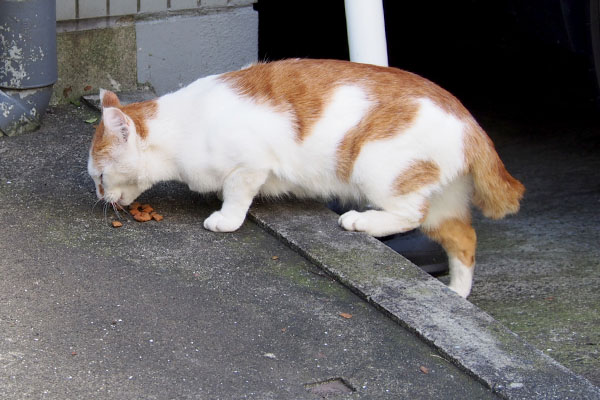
[156, 216]
[275, 258]
[87, 88]
[142, 217]
[147, 208]
[424, 370]
[134, 211]
[117, 224]
[345, 315]
[135, 205]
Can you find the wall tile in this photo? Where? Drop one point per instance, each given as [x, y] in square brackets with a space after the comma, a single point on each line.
[153, 5]
[184, 4]
[65, 10]
[92, 8]
[123, 7]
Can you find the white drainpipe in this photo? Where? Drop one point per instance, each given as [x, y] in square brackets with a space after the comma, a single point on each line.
[366, 31]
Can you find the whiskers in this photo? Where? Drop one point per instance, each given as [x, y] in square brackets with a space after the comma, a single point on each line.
[107, 206]
[116, 208]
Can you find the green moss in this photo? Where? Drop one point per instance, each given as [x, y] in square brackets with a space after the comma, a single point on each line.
[559, 326]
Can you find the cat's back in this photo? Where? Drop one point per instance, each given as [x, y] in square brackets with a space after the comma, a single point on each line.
[338, 109]
[307, 86]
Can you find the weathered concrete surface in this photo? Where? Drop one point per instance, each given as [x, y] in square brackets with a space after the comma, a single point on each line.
[93, 59]
[176, 51]
[468, 336]
[169, 310]
[539, 271]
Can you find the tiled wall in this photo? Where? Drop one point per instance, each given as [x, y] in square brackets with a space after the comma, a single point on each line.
[82, 9]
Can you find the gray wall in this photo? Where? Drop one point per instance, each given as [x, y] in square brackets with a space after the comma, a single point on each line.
[176, 51]
[124, 44]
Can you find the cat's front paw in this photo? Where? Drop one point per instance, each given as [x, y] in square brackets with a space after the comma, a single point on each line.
[353, 221]
[217, 222]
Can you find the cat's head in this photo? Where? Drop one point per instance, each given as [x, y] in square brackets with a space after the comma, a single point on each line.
[114, 158]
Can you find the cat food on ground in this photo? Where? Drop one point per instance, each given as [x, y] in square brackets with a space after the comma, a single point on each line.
[143, 212]
[117, 224]
[142, 217]
[156, 216]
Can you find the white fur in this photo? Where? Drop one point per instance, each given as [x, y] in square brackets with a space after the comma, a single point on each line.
[453, 200]
[461, 276]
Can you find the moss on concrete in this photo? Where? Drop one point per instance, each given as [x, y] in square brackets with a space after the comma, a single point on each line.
[93, 59]
[566, 331]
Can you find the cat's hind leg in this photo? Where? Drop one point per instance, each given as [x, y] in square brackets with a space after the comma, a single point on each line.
[393, 215]
[448, 222]
[239, 189]
[458, 238]
[379, 223]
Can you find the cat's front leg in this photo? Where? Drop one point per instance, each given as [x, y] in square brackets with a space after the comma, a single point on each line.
[239, 188]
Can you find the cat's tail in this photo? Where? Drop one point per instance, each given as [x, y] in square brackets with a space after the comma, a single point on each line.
[496, 193]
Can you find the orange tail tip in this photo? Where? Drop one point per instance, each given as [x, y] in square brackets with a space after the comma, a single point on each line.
[497, 193]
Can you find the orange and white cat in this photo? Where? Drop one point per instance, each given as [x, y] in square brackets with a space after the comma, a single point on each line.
[320, 129]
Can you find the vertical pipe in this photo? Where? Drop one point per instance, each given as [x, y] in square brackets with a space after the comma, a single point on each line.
[595, 37]
[366, 31]
[27, 63]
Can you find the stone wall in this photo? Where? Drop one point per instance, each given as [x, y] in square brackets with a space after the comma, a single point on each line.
[166, 44]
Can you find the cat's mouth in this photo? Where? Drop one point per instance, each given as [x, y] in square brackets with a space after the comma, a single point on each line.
[113, 199]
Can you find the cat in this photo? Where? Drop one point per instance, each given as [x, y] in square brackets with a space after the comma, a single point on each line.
[320, 129]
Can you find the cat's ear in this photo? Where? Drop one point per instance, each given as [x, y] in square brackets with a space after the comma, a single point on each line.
[116, 122]
[109, 99]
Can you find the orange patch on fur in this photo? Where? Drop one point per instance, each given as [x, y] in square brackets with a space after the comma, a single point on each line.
[140, 113]
[300, 87]
[395, 94]
[457, 237]
[496, 193]
[101, 143]
[419, 174]
[382, 122]
[110, 100]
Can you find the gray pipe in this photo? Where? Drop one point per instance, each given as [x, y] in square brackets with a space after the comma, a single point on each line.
[28, 66]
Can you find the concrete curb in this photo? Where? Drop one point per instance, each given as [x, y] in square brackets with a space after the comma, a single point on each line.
[469, 337]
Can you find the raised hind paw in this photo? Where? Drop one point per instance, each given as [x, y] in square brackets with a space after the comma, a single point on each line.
[352, 221]
[217, 222]
[376, 223]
